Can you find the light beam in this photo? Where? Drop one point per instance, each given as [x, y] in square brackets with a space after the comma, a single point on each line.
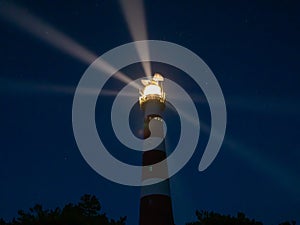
[134, 14]
[20, 87]
[35, 26]
[280, 174]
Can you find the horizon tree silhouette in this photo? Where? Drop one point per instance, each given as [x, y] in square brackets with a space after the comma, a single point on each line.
[86, 212]
[212, 218]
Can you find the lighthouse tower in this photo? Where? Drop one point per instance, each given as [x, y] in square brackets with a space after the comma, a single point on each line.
[155, 202]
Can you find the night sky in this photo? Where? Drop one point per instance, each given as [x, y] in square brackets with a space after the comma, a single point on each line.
[251, 46]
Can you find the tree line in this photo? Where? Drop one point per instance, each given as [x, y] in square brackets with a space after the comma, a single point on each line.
[87, 212]
[212, 218]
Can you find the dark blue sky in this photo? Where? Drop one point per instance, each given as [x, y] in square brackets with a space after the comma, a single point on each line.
[251, 46]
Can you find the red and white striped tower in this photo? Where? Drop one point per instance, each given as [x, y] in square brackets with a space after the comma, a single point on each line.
[155, 203]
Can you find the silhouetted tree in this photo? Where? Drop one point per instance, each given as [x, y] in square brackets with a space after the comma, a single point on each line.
[2, 222]
[89, 205]
[293, 222]
[212, 218]
[86, 212]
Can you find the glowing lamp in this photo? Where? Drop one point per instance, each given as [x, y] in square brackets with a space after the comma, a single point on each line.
[153, 90]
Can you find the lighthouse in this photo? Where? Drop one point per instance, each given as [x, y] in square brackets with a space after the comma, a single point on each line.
[155, 202]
